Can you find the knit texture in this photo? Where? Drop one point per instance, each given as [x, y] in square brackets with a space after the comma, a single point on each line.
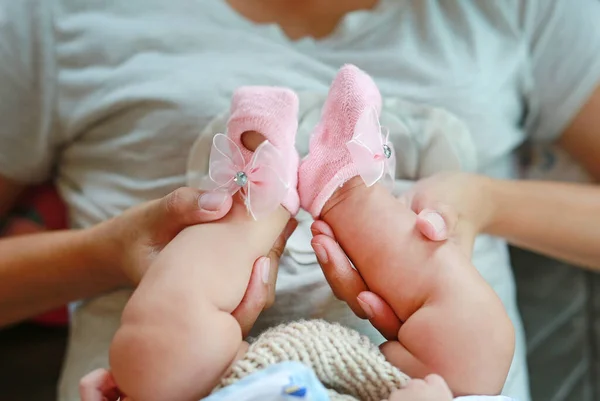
[329, 165]
[272, 112]
[346, 362]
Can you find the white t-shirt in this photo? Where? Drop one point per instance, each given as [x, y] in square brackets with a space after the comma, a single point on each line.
[113, 94]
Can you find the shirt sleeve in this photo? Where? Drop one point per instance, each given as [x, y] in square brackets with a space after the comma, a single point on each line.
[27, 82]
[564, 45]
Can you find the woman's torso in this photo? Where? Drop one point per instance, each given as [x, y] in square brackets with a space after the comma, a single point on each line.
[138, 82]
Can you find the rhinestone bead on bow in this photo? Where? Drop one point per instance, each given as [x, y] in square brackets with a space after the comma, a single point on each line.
[240, 178]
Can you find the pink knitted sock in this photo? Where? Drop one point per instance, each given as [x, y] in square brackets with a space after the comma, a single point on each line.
[272, 112]
[329, 164]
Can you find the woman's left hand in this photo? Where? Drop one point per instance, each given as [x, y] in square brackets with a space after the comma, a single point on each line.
[449, 206]
[129, 243]
[452, 206]
[347, 284]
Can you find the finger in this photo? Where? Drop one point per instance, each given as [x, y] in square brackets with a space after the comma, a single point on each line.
[345, 282]
[186, 206]
[256, 295]
[98, 385]
[319, 227]
[289, 229]
[432, 225]
[439, 382]
[260, 293]
[429, 216]
[441, 222]
[275, 255]
[380, 314]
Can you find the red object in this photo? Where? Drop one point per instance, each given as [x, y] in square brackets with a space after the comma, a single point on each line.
[58, 318]
[39, 209]
[48, 205]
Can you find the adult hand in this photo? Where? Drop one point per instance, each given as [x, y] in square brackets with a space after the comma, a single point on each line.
[454, 206]
[260, 293]
[99, 385]
[347, 284]
[130, 242]
[133, 239]
[449, 206]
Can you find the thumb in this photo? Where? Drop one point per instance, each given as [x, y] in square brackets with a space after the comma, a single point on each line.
[256, 297]
[274, 257]
[436, 220]
[186, 206]
[441, 224]
[433, 224]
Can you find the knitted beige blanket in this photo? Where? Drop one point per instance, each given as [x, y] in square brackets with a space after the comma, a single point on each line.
[347, 363]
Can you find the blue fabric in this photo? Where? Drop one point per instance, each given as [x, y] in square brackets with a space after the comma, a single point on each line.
[286, 381]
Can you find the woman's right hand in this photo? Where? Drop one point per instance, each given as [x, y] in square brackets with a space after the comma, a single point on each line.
[131, 241]
[128, 243]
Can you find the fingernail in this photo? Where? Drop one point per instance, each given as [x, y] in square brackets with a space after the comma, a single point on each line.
[436, 220]
[212, 201]
[366, 308]
[265, 269]
[321, 253]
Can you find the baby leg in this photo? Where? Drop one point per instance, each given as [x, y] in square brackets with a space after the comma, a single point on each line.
[454, 324]
[177, 335]
[363, 219]
[413, 275]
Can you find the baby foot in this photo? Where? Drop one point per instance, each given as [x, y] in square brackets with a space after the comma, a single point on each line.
[265, 175]
[347, 142]
[432, 388]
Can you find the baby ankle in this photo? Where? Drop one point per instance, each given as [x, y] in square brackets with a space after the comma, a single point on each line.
[352, 188]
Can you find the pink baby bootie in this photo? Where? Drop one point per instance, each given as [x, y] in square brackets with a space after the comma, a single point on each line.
[347, 142]
[268, 176]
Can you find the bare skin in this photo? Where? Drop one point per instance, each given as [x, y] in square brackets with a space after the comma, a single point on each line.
[180, 316]
[431, 388]
[298, 19]
[452, 322]
[99, 385]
